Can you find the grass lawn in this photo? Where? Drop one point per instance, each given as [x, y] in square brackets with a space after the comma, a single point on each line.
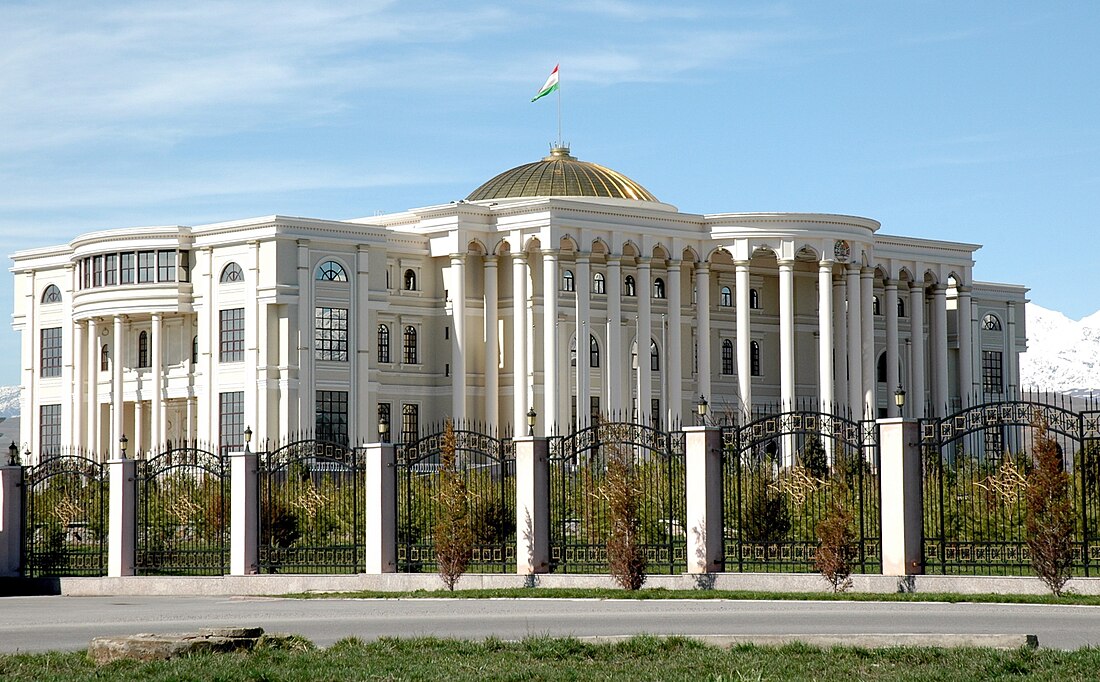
[661, 593]
[641, 658]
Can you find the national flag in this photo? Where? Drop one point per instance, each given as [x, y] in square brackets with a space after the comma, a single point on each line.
[549, 86]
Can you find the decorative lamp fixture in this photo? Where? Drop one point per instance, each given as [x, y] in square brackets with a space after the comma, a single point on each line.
[247, 435]
[899, 397]
[13, 455]
[702, 410]
[383, 428]
[531, 416]
[122, 443]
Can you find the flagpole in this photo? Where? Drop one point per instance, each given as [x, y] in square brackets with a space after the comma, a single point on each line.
[559, 110]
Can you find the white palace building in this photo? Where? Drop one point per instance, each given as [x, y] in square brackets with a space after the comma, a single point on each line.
[473, 309]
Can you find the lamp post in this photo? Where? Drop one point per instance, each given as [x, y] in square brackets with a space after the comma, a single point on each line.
[701, 409]
[531, 416]
[13, 455]
[383, 428]
[122, 443]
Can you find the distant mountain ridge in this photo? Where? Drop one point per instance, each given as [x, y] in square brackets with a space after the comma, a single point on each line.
[9, 401]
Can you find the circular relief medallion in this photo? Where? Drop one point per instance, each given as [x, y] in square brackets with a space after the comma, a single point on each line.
[842, 250]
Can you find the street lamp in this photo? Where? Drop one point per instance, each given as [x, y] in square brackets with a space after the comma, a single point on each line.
[701, 408]
[899, 397]
[122, 443]
[13, 455]
[531, 416]
[383, 428]
[247, 437]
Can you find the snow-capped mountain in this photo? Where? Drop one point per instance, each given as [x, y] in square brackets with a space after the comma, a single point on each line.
[9, 401]
[1063, 354]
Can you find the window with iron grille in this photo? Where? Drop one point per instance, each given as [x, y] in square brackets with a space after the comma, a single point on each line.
[231, 421]
[231, 335]
[49, 430]
[993, 376]
[384, 417]
[166, 266]
[332, 416]
[727, 357]
[410, 422]
[410, 345]
[145, 266]
[51, 352]
[754, 358]
[383, 343]
[143, 350]
[330, 334]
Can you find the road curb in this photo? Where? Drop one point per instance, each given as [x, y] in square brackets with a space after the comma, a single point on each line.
[865, 640]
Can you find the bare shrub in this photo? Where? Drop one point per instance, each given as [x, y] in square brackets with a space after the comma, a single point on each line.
[837, 541]
[1049, 513]
[623, 491]
[453, 536]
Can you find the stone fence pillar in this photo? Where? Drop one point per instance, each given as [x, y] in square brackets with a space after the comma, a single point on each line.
[11, 519]
[244, 522]
[122, 474]
[532, 505]
[704, 527]
[902, 497]
[381, 508]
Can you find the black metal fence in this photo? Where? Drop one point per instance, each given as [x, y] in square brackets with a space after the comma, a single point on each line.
[781, 475]
[311, 508]
[183, 512]
[976, 464]
[579, 523]
[487, 467]
[65, 505]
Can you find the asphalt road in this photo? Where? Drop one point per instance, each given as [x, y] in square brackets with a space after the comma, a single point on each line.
[68, 623]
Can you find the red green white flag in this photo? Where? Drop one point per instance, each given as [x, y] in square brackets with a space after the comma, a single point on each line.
[549, 86]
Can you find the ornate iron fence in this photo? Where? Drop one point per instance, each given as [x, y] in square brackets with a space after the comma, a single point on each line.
[579, 523]
[182, 512]
[487, 467]
[311, 508]
[65, 517]
[781, 474]
[976, 462]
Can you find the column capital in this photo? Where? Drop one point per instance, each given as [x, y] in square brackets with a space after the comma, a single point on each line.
[520, 256]
[583, 257]
[458, 258]
[890, 283]
[867, 272]
[964, 290]
[489, 260]
[702, 267]
[939, 289]
[644, 261]
[674, 264]
[826, 264]
[916, 286]
[786, 262]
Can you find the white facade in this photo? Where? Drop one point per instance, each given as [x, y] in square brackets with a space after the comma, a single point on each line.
[280, 323]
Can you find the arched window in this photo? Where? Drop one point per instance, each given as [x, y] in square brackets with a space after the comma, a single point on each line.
[628, 286]
[754, 299]
[383, 343]
[754, 359]
[991, 323]
[654, 357]
[104, 358]
[727, 357]
[725, 297]
[232, 274]
[876, 309]
[410, 345]
[658, 288]
[598, 283]
[143, 349]
[195, 350]
[593, 352]
[331, 271]
[410, 280]
[52, 294]
[901, 307]
[567, 281]
[880, 370]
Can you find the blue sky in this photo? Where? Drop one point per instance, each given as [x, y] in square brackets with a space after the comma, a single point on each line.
[973, 121]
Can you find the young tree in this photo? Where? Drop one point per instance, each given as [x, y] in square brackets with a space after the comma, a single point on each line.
[624, 544]
[837, 547]
[1049, 513]
[453, 536]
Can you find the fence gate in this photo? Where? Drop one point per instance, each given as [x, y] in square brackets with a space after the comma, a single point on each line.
[976, 464]
[487, 466]
[579, 521]
[65, 518]
[780, 475]
[182, 513]
[311, 509]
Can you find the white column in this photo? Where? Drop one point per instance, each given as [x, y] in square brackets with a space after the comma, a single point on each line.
[138, 436]
[867, 337]
[615, 352]
[549, 418]
[855, 343]
[786, 335]
[893, 381]
[744, 340]
[916, 324]
[900, 480]
[644, 290]
[702, 330]
[582, 286]
[31, 338]
[825, 335]
[70, 351]
[519, 341]
[156, 432]
[304, 406]
[366, 327]
[77, 433]
[492, 351]
[966, 345]
[189, 432]
[674, 353]
[92, 440]
[458, 337]
[116, 386]
[939, 348]
[840, 346]
[252, 335]
[1011, 359]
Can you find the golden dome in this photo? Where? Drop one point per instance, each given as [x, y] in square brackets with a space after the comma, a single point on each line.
[561, 175]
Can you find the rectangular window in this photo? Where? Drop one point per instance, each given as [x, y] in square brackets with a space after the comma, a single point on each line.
[50, 352]
[231, 421]
[231, 335]
[727, 357]
[330, 334]
[594, 408]
[49, 430]
[332, 417]
[97, 271]
[410, 422]
[166, 266]
[384, 417]
[110, 269]
[655, 411]
[185, 266]
[992, 373]
[145, 266]
[84, 273]
[126, 272]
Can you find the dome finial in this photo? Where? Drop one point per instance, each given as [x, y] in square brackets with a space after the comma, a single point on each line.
[558, 152]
